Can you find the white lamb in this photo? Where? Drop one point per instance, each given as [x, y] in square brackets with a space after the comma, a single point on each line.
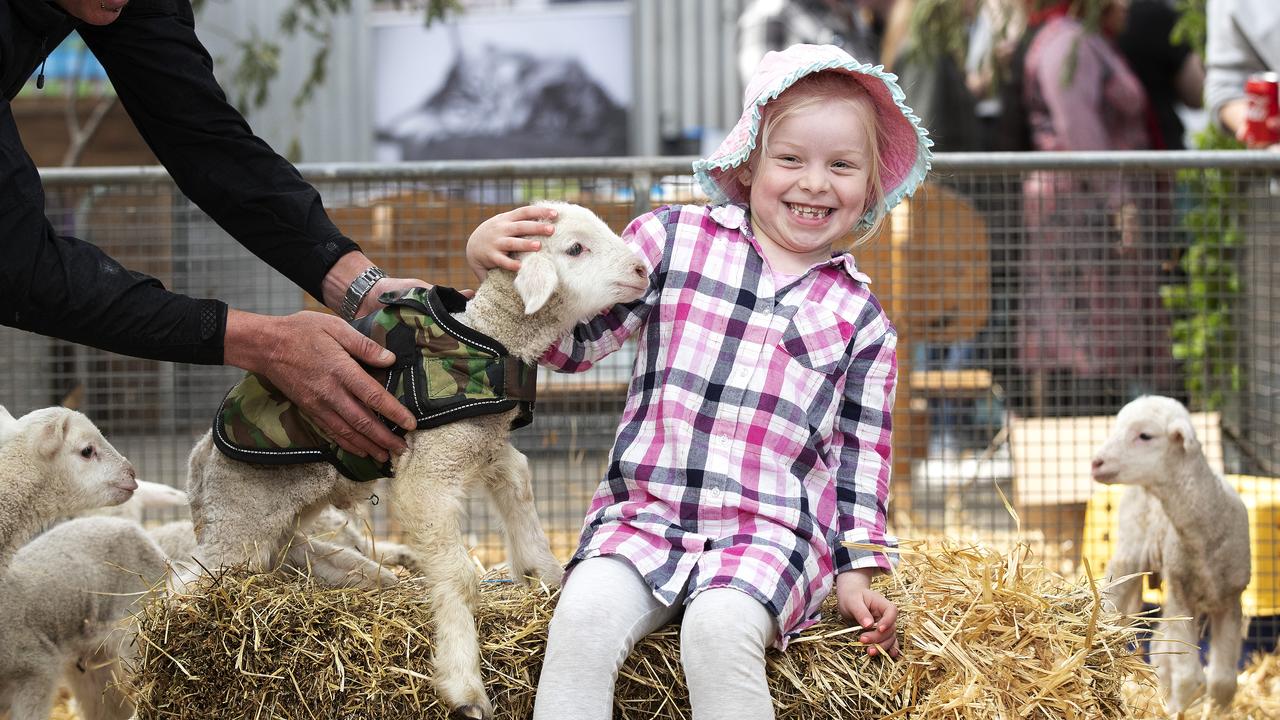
[246, 512]
[66, 599]
[1184, 523]
[54, 462]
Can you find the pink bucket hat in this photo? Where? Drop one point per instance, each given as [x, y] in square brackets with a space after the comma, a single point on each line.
[904, 145]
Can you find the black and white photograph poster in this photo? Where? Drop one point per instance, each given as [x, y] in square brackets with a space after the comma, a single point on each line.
[545, 82]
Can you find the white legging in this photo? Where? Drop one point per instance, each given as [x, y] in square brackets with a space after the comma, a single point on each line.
[605, 608]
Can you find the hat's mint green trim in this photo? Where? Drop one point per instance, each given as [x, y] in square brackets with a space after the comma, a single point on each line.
[892, 196]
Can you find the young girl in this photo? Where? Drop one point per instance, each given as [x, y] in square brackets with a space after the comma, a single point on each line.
[756, 433]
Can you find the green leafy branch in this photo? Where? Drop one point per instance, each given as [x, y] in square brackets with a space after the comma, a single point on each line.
[1204, 327]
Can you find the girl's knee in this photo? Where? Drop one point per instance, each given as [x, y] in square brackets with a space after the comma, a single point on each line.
[723, 621]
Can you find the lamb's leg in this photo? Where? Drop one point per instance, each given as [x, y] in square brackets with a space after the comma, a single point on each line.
[1124, 597]
[337, 566]
[1225, 630]
[1181, 676]
[510, 484]
[244, 513]
[428, 503]
[94, 685]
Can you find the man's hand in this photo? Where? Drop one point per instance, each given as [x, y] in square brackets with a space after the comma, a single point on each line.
[861, 605]
[1234, 115]
[371, 303]
[313, 358]
[494, 239]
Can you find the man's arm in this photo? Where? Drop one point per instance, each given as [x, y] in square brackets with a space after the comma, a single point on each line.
[66, 288]
[1229, 60]
[164, 78]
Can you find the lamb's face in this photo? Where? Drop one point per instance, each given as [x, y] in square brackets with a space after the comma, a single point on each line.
[92, 472]
[1150, 434]
[585, 263]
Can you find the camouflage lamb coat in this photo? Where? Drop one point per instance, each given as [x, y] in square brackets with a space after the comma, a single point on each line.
[444, 371]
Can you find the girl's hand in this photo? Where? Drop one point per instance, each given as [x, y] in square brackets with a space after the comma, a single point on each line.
[494, 239]
[861, 605]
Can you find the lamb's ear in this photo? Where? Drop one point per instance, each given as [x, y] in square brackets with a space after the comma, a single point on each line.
[8, 425]
[158, 495]
[536, 281]
[1180, 431]
[51, 434]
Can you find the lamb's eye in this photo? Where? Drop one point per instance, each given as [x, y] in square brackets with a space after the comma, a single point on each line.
[575, 250]
[1144, 436]
[87, 452]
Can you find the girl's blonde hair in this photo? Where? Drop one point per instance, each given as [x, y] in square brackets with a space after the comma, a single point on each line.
[808, 92]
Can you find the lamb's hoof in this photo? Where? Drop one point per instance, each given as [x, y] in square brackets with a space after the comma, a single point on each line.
[549, 573]
[468, 712]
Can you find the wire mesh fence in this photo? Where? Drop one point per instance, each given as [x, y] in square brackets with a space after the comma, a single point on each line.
[1034, 295]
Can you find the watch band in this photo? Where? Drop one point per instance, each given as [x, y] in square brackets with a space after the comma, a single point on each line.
[357, 290]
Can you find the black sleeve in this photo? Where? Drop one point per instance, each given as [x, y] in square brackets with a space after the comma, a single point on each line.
[66, 288]
[164, 78]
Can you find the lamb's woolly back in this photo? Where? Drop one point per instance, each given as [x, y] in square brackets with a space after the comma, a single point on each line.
[54, 462]
[67, 596]
[580, 270]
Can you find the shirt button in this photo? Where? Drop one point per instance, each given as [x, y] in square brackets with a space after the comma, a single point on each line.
[715, 493]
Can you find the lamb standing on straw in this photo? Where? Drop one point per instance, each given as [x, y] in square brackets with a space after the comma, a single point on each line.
[1183, 522]
[249, 512]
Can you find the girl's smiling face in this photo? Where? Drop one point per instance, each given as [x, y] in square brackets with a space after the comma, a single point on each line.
[808, 187]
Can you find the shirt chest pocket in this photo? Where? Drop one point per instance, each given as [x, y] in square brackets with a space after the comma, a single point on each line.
[817, 339]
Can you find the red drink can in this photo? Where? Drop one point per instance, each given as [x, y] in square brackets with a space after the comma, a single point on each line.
[1264, 103]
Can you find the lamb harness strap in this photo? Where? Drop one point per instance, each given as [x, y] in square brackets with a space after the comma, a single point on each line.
[444, 371]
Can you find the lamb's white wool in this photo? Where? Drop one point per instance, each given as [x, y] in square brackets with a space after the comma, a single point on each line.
[350, 528]
[344, 528]
[1181, 522]
[66, 598]
[176, 538]
[54, 463]
[252, 513]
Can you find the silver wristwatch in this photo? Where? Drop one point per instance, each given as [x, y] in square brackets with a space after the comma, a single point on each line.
[356, 291]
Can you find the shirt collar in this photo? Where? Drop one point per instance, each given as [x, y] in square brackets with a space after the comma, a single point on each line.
[733, 216]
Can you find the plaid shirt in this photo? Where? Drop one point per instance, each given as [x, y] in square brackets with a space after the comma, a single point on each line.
[756, 432]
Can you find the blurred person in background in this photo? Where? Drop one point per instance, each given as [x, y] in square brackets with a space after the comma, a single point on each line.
[67, 288]
[925, 42]
[1171, 72]
[1092, 331]
[855, 26]
[1243, 39]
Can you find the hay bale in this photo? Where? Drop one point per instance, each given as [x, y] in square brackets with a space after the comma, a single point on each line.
[985, 635]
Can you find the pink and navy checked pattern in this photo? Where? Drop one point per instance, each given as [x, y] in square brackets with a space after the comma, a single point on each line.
[756, 432]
